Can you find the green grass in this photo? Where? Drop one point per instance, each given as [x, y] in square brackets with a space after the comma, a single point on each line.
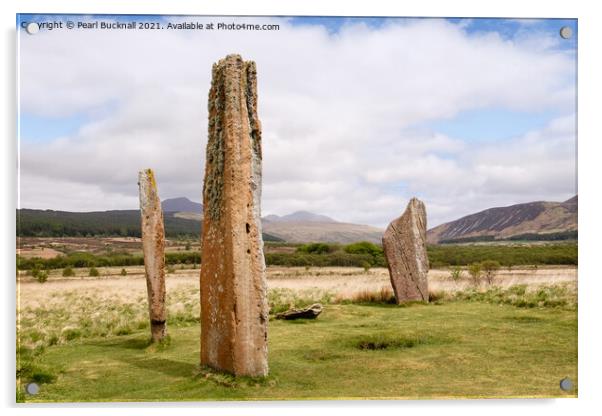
[454, 350]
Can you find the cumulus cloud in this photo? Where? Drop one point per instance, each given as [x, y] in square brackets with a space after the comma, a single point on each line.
[339, 114]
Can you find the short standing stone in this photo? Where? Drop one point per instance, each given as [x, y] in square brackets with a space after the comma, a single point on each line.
[234, 309]
[153, 246]
[404, 243]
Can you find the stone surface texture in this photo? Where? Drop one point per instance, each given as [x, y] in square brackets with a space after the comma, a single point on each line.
[153, 247]
[234, 309]
[404, 243]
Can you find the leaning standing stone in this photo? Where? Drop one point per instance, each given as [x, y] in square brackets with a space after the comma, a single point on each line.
[404, 243]
[234, 310]
[153, 246]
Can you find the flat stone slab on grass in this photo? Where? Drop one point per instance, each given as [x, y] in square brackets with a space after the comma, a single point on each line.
[311, 312]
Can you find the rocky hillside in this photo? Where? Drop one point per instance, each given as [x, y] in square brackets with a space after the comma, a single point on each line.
[539, 218]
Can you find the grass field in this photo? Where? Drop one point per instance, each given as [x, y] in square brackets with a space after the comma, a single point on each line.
[85, 339]
[452, 350]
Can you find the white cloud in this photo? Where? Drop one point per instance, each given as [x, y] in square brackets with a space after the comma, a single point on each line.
[338, 114]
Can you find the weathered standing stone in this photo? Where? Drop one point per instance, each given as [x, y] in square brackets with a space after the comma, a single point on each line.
[234, 310]
[153, 246]
[404, 243]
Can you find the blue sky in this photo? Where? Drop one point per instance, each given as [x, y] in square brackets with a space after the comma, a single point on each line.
[463, 126]
[491, 124]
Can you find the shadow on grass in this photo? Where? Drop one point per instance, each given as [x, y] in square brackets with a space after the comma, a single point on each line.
[138, 343]
[526, 319]
[166, 366]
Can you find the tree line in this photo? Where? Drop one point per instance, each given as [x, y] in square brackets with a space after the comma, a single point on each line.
[362, 254]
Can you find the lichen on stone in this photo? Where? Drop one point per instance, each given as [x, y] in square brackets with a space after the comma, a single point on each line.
[213, 185]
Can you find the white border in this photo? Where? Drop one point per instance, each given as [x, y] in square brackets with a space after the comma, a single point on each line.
[590, 278]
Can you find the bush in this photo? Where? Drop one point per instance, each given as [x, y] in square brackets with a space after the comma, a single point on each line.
[490, 268]
[123, 272]
[506, 255]
[42, 276]
[366, 265]
[93, 272]
[475, 273]
[455, 274]
[171, 269]
[68, 272]
[368, 249]
[316, 248]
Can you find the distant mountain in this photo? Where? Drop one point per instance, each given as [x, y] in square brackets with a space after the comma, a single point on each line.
[322, 232]
[304, 226]
[533, 220]
[299, 216]
[181, 204]
[298, 227]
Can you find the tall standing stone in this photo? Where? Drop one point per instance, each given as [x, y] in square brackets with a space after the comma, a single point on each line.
[153, 246]
[234, 310]
[404, 243]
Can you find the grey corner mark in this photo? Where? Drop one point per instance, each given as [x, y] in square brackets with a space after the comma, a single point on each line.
[566, 32]
[32, 28]
[566, 384]
[32, 388]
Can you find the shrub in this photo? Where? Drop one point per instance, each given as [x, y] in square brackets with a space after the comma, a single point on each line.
[455, 274]
[366, 248]
[366, 265]
[68, 272]
[34, 272]
[187, 248]
[93, 272]
[315, 248]
[71, 333]
[475, 273]
[170, 269]
[42, 276]
[490, 268]
[515, 255]
[123, 272]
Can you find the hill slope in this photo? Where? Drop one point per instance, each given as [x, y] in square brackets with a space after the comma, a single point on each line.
[181, 204]
[323, 232]
[48, 223]
[299, 216]
[539, 218]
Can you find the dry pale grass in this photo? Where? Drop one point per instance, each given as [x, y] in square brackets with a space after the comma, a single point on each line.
[42, 252]
[342, 282]
[351, 283]
[67, 308]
